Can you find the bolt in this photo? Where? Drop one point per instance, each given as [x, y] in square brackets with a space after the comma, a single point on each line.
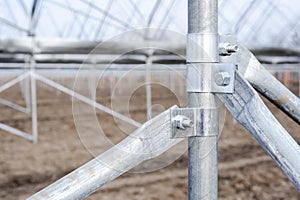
[222, 79]
[182, 122]
[232, 48]
[227, 49]
[187, 123]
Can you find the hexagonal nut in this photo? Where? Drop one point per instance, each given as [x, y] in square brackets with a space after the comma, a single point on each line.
[182, 122]
[222, 78]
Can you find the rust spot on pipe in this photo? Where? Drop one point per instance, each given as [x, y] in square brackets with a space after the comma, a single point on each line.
[282, 100]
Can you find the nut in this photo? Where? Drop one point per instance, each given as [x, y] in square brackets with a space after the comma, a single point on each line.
[182, 122]
[222, 79]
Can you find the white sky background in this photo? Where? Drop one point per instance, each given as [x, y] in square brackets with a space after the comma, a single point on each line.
[267, 23]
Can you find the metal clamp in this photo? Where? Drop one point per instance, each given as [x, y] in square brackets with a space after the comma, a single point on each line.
[204, 73]
[210, 77]
[190, 122]
[200, 47]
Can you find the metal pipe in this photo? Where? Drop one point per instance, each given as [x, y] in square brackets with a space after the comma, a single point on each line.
[32, 65]
[16, 132]
[148, 141]
[102, 11]
[263, 81]
[33, 99]
[13, 25]
[26, 93]
[101, 24]
[14, 106]
[153, 11]
[203, 16]
[250, 111]
[203, 154]
[148, 84]
[13, 81]
[203, 151]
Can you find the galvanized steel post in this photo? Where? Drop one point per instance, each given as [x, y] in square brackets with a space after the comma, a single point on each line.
[32, 72]
[202, 51]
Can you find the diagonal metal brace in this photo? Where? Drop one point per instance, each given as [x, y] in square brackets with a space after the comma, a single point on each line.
[263, 81]
[250, 111]
[148, 141]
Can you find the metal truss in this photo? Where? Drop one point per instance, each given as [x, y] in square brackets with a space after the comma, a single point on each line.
[103, 19]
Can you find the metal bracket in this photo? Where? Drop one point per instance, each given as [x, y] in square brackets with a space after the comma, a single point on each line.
[214, 77]
[190, 122]
[199, 48]
[210, 77]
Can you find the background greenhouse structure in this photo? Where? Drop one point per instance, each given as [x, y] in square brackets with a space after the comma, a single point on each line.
[79, 76]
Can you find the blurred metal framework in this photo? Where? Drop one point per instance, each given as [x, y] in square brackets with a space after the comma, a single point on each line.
[244, 104]
[107, 18]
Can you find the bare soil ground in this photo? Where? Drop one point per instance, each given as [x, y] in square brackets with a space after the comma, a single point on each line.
[245, 170]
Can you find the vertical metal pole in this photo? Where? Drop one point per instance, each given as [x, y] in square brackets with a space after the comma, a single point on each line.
[32, 75]
[33, 96]
[27, 86]
[27, 94]
[203, 149]
[148, 85]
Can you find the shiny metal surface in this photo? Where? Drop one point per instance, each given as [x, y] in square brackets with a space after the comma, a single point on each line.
[149, 62]
[148, 141]
[203, 151]
[201, 122]
[203, 170]
[201, 77]
[33, 92]
[268, 85]
[201, 47]
[202, 17]
[250, 111]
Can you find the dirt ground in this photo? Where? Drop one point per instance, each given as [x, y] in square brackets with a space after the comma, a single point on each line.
[245, 170]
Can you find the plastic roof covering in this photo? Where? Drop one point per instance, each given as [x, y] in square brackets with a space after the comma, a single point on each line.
[257, 23]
